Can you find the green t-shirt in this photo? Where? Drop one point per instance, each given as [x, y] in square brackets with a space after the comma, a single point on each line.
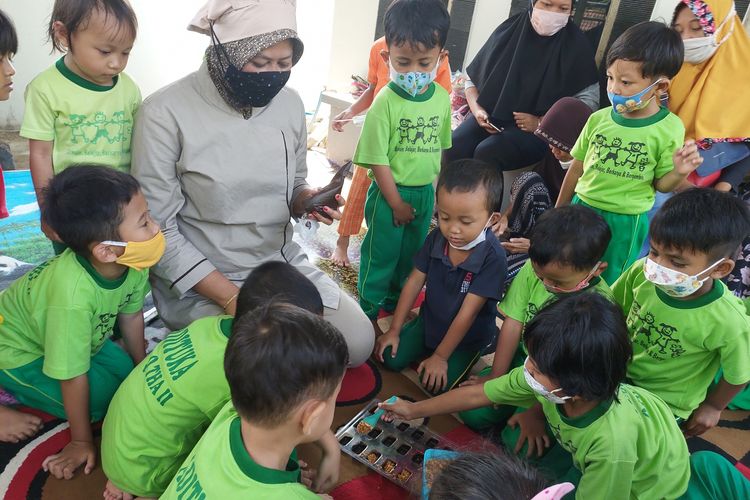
[177, 390]
[406, 133]
[219, 467]
[527, 294]
[679, 345]
[630, 449]
[89, 123]
[63, 310]
[623, 156]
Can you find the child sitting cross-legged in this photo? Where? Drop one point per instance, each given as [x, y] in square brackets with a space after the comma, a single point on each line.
[464, 268]
[284, 366]
[55, 349]
[623, 440]
[180, 387]
[683, 322]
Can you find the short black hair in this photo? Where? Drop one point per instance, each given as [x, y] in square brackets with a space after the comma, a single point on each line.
[487, 476]
[84, 204]
[656, 46]
[702, 220]
[582, 342]
[278, 281]
[279, 356]
[75, 14]
[573, 235]
[466, 176]
[417, 22]
[8, 36]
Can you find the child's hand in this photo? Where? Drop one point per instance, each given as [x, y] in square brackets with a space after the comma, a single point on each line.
[533, 431]
[76, 453]
[331, 214]
[389, 339]
[399, 408]
[342, 119]
[307, 474]
[705, 417]
[328, 471]
[434, 373]
[686, 159]
[475, 380]
[526, 122]
[403, 213]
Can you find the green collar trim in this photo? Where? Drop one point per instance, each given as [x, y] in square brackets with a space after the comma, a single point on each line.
[714, 294]
[424, 96]
[225, 325]
[640, 122]
[80, 81]
[587, 418]
[98, 278]
[254, 471]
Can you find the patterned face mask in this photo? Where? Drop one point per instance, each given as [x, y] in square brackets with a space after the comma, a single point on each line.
[541, 390]
[628, 104]
[413, 82]
[674, 283]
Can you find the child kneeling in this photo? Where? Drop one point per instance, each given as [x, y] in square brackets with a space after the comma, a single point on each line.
[464, 267]
[284, 366]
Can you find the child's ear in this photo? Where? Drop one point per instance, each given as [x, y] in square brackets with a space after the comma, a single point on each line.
[385, 55]
[494, 218]
[312, 412]
[443, 54]
[61, 34]
[103, 253]
[723, 269]
[663, 86]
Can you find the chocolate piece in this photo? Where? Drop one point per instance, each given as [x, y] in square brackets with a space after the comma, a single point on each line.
[359, 448]
[389, 440]
[403, 449]
[402, 426]
[345, 440]
[375, 432]
[431, 443]
[418, 458]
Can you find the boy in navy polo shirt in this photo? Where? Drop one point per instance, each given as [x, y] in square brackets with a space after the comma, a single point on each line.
[464, 267]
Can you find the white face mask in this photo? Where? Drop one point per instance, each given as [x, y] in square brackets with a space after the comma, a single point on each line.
[540, 389]
[674, 283]
[548, 23]
[566, 164]
[476, 241]
[413, 82]
[698, 50]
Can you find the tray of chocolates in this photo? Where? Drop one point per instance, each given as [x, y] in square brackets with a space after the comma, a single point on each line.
[395, 450]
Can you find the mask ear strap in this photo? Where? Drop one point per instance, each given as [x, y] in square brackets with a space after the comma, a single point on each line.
[219, 47]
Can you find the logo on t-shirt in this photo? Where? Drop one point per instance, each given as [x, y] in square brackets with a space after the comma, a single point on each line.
[614, 157]
[659, 340]
[415, 137]
[109, 130]
[467, 282]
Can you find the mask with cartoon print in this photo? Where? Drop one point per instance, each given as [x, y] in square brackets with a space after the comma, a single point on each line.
[674, 283]
[413, 82]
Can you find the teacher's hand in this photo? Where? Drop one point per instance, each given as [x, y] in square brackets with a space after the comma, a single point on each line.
[330, 213]
[483, 119]
[526, 122]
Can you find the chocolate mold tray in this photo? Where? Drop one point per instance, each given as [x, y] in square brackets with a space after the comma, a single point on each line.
[394, 449]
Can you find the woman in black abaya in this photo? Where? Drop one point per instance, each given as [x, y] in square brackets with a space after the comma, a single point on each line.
[531, 61]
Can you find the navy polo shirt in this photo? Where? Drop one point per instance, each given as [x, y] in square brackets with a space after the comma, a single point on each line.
[482, 273]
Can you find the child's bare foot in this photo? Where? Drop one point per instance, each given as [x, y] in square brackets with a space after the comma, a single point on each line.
[340, 256]
[16, 426]
[112, 492]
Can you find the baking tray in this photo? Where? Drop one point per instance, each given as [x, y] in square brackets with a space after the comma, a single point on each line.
[395, 450]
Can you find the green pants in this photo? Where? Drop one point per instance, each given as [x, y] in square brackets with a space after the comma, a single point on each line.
[31, 387]
[628, 234]
[712, 477]
[411, 348]
[388, 251]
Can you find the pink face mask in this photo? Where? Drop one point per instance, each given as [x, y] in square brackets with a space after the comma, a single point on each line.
[580, 286]
[548, 23]
[555, 492]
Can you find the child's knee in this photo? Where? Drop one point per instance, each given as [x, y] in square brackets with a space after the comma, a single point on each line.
[396, 364]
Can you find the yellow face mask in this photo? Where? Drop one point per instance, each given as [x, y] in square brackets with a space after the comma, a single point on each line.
[140, 254]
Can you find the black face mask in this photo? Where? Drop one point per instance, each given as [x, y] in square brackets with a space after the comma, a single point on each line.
[249, 89]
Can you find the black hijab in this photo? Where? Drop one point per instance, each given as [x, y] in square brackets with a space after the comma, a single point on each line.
[520, 70]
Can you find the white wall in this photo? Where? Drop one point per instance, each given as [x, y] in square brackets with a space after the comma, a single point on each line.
[488, 15]
[663, 10]
[164, 50]
[354, 29]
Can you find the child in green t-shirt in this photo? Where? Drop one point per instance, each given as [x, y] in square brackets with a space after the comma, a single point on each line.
[55, 349]
[180, 387]
[684, 322]
[565, 257]
[405, 131]
[81, 109]
[623, 440]
[628, 151]
[284, 366]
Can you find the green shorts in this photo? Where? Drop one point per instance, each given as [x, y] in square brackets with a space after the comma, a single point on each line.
[33, 388]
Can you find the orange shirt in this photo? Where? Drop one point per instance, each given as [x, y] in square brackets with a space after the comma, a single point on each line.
[379, 74]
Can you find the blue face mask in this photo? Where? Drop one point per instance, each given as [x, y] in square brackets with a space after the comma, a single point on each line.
[627, 104]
